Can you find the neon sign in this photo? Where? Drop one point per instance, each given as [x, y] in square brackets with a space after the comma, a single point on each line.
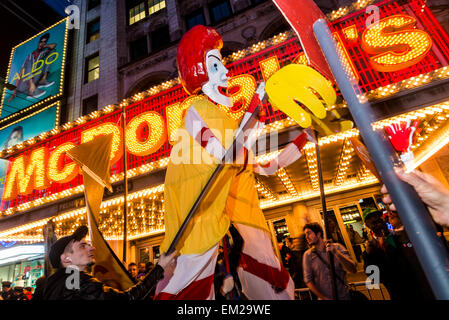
[153, 121]
[395, 43]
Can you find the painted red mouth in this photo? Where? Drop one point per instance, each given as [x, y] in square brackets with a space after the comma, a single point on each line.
[223, 91]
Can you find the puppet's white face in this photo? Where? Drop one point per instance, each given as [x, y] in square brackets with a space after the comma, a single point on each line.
[218, 78]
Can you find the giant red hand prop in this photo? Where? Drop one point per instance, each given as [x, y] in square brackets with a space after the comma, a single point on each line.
[401, 135]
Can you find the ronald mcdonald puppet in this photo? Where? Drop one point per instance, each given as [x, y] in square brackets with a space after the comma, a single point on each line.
[232, 198]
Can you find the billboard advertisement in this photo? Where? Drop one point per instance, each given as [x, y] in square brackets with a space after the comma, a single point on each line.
[36, 70]
[27, 128]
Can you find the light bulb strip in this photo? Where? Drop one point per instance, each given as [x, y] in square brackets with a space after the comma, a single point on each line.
[344, 162]
[264, 190]
[286, 181]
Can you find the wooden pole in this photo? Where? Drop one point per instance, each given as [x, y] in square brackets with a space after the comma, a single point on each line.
[326, 223]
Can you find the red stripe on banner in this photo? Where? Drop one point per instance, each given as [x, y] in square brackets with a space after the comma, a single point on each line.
[197, 290]
[245, 163]
[254, 103]
[202, 139]
[277, 278]
[300, 141]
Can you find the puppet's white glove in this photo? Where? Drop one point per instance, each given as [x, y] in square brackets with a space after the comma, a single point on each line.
[228, 284]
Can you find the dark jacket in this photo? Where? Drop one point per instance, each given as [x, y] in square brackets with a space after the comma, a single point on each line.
[6, 295]
[92, 289]
[40, 286]
[399, 269]
[18, 297]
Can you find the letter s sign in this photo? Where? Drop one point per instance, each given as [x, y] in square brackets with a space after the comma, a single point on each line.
[396, 43]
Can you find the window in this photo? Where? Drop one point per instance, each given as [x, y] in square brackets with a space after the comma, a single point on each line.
[280, 228]
[93, 30]
[195, 18]
[220, 11]
[159, 38]
[155, 5]
[139, 48]
[144, 255]
[90, 105]
[92, 68]
[92, 4]
[137, 13]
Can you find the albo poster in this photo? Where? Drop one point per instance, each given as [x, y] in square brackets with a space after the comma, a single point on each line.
[36, 70]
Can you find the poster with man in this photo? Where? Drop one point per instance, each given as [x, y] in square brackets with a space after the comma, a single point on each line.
[35, 69]
[15, 133]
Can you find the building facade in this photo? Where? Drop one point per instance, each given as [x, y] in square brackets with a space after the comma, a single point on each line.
[124, 55]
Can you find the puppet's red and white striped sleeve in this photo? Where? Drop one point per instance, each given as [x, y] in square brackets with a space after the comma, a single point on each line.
[261, 274]
[290, 154]
[192, 279]
[202, 134]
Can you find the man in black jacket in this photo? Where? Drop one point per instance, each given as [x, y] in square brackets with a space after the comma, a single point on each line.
[73, 255]
[6, 292]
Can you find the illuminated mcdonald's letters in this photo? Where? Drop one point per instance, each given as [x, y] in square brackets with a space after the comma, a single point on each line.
[393, 45]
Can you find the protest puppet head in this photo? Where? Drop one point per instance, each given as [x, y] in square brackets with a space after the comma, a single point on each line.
[200, 66]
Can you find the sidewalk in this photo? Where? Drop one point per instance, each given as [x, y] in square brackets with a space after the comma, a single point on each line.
[359, 279]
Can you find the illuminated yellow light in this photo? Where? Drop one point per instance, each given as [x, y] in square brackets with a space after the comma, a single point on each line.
[396, 43]
[103, 129]
[58, 171]
[156, 135]
[349, 185]
[301, 59]
[442, 71]
[344, 161]
[26, 174]
[433, 148]
[262, 189]
[311, 159]
[285, 179]
[67, 222]
[433, 75]
[350, 33]
[269, 67]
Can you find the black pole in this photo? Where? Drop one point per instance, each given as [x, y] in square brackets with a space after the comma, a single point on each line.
[49, 239]
[330, 256]
[418, 224]
[125, 181]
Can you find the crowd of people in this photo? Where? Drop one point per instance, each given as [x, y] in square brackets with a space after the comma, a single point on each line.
[139, 271]
[308, 259]
[15, 293]
[386, 244]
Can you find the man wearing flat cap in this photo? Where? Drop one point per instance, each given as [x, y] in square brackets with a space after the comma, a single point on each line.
[6, 290]
[73, 252]
[17, 294]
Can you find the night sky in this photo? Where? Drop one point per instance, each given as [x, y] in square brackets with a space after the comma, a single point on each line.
[22, 19]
